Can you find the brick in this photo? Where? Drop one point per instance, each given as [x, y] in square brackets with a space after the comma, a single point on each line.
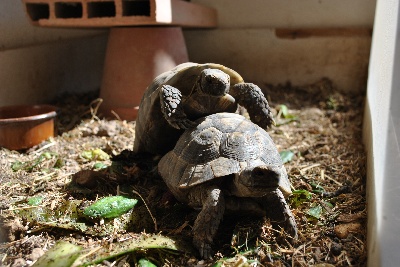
[109, 13]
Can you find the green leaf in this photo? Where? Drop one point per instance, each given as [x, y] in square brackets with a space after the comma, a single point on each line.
[146, 263]
[330, 205]
[332, 103]
[286, 156]
[63, 254]
[34, 201]
[59, 163]
[95, 154]
[29, 166]
[218, 264]
[17, 165]
[298, 197]
[46, 155]
[110, 207]
[284, 110]
[285, 113]
[99, 165]
[284, 116]
[315, 211]
[317, 188]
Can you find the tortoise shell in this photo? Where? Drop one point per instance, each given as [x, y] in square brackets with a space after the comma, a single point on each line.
[220, 145]
[153, 134]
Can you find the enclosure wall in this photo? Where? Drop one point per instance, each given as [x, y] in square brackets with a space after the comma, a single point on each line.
[37, 63]
[274, 42]
[381, 135]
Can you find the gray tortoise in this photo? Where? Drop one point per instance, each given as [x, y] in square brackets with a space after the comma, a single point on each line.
[190, 91]
[227, 163]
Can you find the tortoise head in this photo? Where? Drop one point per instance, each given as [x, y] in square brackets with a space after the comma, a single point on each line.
[257, 181]
[214, 82]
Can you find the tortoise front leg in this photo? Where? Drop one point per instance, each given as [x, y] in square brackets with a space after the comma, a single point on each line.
[279, 212]
[172, 108]
[205, 227]
[252, 98]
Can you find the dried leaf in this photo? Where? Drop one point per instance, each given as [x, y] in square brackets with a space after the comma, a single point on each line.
[128, 246]
[63, 254]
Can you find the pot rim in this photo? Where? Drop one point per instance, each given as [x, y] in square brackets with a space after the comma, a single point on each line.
[46, 112]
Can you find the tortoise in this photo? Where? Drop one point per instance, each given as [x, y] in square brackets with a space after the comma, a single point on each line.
[190, 91]
[227, 163]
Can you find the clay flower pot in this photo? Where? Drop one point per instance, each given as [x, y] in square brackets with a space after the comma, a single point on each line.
[134, 57]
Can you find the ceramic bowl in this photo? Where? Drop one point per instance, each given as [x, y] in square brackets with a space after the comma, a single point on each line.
[22, 127]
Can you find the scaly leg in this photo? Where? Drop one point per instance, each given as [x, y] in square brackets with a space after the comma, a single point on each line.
[205, 227]
[279, 212]
[252, 98]
[171, 107]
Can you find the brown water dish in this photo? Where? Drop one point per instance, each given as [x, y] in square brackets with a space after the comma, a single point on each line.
[25, 126]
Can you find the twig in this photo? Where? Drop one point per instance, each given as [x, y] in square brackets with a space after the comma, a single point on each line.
[308, 168]
[93, 111]
[44, 147]
[333, 180]
[44, 176]
[78, 260]
[116, 115]
[151, 215]
[25, 208]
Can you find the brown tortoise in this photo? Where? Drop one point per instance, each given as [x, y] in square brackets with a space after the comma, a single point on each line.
[190, 91]
[227, 163]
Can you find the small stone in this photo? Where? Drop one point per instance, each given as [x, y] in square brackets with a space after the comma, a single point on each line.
[18, 263]
[36, 254]
[343, 230]
[336, 248]
[86, 178]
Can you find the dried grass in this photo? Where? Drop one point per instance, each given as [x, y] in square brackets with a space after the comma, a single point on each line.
[328, 159]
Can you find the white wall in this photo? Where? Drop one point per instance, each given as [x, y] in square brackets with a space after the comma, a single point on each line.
[37, 63]
[16, 31]
[247, 41]
[381, 135]
[36, 74]
[292, 13]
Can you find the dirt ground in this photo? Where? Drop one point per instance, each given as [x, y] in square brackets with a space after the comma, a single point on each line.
[318, 132]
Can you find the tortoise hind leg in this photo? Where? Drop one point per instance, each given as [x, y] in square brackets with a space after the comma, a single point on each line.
[172, 107]
[205, 227]
[251, 97]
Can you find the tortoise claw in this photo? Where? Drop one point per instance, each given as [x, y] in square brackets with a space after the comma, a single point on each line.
[186, 124]
[204, 249]
[182, 124]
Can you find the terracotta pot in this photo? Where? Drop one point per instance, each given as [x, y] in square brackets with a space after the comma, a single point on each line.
[134, 57]
[22, 127]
